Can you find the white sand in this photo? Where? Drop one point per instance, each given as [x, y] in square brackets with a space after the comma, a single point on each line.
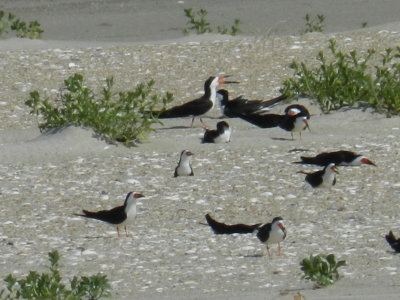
[47, 178]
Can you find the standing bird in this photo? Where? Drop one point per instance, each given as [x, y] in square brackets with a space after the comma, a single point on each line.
[232, 108]
[393, 241]
[118, 216]
[199, 106]
[184, 168]
[339, 158]
[221, 135]
[322, 178]
[269, 233]
[291, 123]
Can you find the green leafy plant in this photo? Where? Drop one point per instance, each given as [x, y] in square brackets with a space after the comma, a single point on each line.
[322, 269]
[200, 25]
[315, 24]
[50, 286]
[347, 79]
[117, 117]
[31, 30]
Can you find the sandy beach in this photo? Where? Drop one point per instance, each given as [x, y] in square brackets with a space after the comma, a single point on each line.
[46, 178]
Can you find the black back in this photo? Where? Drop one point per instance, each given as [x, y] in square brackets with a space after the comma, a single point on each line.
[315, 179]
[221, 228]
[264, 120]
[325, 158]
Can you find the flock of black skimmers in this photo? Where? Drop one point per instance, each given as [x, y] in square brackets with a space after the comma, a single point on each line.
[295, 119]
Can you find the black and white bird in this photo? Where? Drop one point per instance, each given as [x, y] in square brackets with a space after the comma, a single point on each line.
[199, 106]
[291, 123]
[232, 108]
[393, 241]
[118, 216]
[322, 178]
[221, 135]
[339, 158]
[269, 233]
[184, 167]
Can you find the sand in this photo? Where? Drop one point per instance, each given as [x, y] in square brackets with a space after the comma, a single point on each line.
[48, 177]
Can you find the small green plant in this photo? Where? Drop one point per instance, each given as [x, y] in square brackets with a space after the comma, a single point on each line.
[31, 30]
[117, 117]
[49, 286]
[364, 24]
[315, 24]
[322, 269]
[347, 79]
[200, 25]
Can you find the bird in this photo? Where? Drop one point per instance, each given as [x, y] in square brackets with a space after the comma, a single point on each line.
[339, 158]
[393, 241]
[291, 123]
[269, 233]
[184, 167]
[296, 109]
[221, 135]
[118, 216]
[199, 106]
[232, 108]
[322, 178]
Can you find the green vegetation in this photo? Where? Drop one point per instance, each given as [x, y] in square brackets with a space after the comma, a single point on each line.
[117, 117]
[49, 286]
[22, 29]
[313, 24]
[200, 25]
[346, 79]
[322, 269]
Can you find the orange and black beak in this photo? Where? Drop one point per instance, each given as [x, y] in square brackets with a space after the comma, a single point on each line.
[334, 169]
[221, 80]
[367, 161]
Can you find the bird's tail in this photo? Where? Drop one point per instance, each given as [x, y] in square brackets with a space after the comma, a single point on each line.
[271, 102]
[86, 214]
[221, 228]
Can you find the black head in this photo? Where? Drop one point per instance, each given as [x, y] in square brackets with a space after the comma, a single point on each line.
[222, 125]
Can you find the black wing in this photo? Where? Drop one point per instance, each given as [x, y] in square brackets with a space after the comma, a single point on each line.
[393, 242]
[210, 135]
[315, 179]
[263, 232]
[221, 228]
[325, 158]
[263, 120]
[193, 108]
[114, 216]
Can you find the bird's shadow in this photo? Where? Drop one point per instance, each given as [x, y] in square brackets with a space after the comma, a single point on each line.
[174, 127]
[281, 139]
[257, 255]
[298, 150]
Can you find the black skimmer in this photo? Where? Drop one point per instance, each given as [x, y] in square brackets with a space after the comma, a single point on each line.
[232, 108]
[269, 233]
[221, 135]
[322, 178]
[184, 168]
[291, 123]
[118, 216]
[199, 106]
[339, 158]
[296, 109]
[393, 241]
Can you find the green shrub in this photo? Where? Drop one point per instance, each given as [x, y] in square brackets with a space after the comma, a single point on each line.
[313, 24]
[117, 117]
[322, 269]
[346, 80]
[31, 30]
[49, 286]
[201, 25]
